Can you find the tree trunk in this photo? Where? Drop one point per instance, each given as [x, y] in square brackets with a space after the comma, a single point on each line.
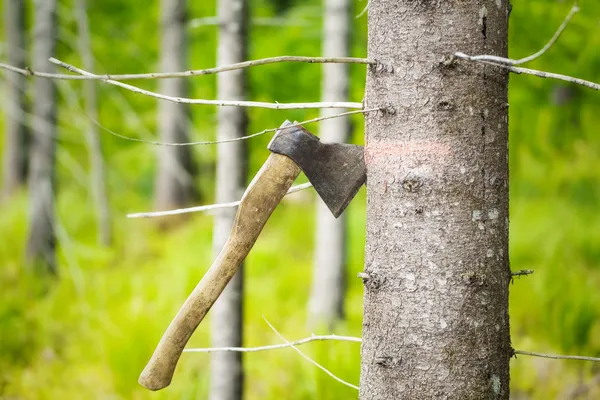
[15, 148]
[41, 242]
[93, 139]
[227, 375]
[176, 169]
[326, 304]
[436, 265]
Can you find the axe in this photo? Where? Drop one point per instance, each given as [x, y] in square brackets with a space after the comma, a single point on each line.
[335, 170]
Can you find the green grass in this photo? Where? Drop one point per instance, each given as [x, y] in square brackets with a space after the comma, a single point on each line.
[90, 335]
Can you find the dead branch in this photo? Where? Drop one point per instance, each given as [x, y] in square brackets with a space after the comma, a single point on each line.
[222, 103]
[510, 64]
[556, 356]
[508, 61]
[197, 72]
[312, 338]
[540, 74]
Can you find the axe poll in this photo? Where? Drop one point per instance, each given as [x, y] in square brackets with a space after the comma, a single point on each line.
[336, 170]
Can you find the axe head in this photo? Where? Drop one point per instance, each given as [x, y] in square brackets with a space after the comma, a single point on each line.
[336, 170]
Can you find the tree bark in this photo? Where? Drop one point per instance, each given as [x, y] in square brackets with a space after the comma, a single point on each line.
[436, 265]
[326, 304]
[93, 139]
[41, 242]
[15, 148]
[176, 169]
[227, 375]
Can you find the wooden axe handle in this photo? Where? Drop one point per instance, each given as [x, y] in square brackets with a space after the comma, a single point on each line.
[258, 202]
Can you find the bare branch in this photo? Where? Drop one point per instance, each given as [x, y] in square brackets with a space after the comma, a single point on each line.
[222, 103]
[209, 207]
[359, 340]
[312, 338]
[555, 356]
[322, 368]
[508, 61]
[540, 74]
[27, 72]
[230, 140]
[509, 64]
[198, 72]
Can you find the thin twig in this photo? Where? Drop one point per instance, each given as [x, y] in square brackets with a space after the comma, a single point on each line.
[508, 61]
[222, 103]
[540, 74]
[308, 121]
[556, 356]
[209, 207]
[364, 9]
[322, 368]
[312, 338]
[197, 72]
[359, 340]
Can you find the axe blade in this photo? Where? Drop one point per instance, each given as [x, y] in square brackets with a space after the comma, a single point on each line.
[336, 170]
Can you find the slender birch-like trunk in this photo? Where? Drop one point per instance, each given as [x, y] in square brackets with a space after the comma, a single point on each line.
[41, 241]
[326, 304]
[15, 147]
[436, 266]
[176, 170]
[98, 183]
[227, 375]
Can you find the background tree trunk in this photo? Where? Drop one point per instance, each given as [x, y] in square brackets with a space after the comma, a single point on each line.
[326, 304]
[41, 242]
[15, 148]
[176, 169]
[436, 285]
[227, 375]
[93, 139]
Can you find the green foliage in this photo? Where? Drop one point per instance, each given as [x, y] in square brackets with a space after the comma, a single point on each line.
[89, 334]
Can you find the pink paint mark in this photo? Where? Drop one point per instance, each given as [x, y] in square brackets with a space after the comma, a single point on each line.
[387, 151]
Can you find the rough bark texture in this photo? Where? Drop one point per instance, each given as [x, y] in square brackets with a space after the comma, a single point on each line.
[326, 304]
[41, 241]
[227, 375]
[98, 183]
[436, 266]
[15, 147]
[176, 169]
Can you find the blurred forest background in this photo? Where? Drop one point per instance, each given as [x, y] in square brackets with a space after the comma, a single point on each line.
[92, 332]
